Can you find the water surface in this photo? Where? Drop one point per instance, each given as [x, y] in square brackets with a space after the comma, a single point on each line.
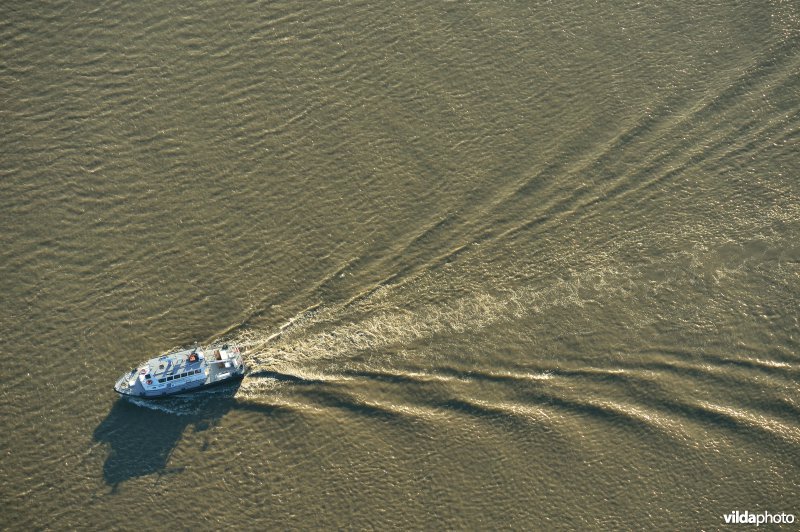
[495, 264]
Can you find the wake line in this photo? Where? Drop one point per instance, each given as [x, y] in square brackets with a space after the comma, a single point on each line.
[375, 323]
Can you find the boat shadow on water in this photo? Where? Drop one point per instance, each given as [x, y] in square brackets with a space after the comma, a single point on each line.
[142, 434]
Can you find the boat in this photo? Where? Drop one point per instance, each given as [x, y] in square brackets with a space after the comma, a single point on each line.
[184, 370]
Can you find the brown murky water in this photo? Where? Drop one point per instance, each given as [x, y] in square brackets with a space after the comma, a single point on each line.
[495, 264]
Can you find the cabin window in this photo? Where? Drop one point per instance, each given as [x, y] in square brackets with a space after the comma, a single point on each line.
[183, 375]
[148, 376]
[162, 380]
[169, 378]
